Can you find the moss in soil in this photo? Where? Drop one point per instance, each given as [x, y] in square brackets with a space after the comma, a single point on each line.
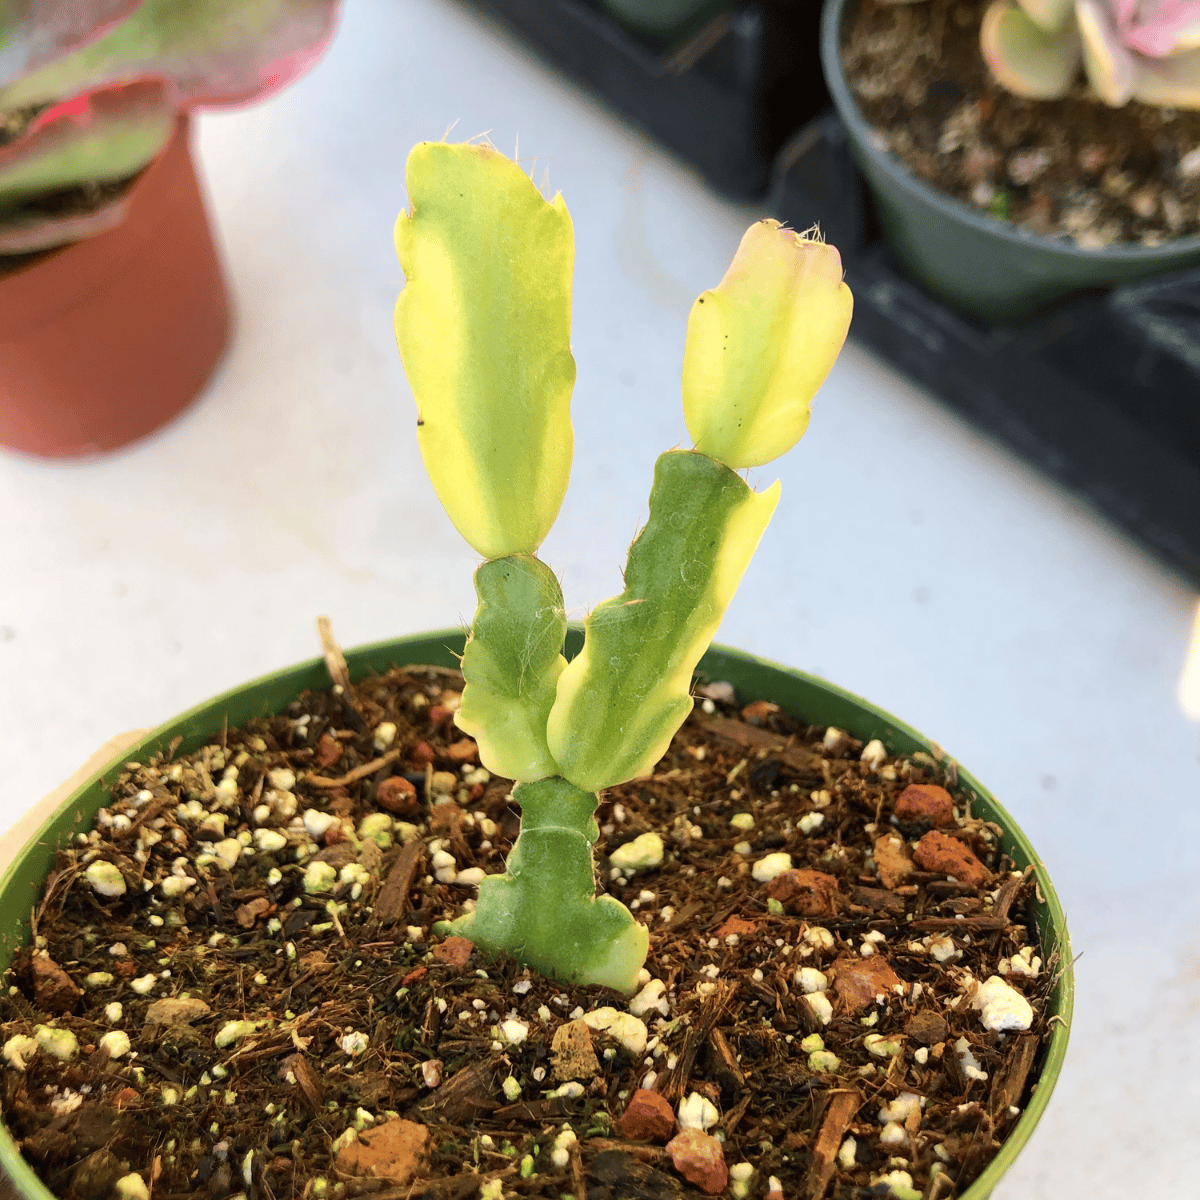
[311, 1013]
[1072, 168]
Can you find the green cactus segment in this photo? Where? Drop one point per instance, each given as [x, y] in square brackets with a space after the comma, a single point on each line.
[511, 665]
[760, 344]
[484, 332]
[1029, 60]
[102, 138]
[544, 911]
[621, 700]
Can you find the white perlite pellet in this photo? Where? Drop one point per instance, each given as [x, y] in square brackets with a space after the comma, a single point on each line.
[105, 879]
[514, 1031]
[821, 1008]
[697, 1112]
[643, 853]
[809, 980]
[131, 1187]
[18, 1050]
[874, 754]
[58, 1043]
[115, 1043]
[1001, 1007]
[771, 866]
[624, 1027]
[899, 1109]
[652, 998]
[353, 1043]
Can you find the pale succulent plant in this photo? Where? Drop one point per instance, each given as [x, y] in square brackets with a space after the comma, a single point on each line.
[483, 326]
[1145, 50]
[90, 91]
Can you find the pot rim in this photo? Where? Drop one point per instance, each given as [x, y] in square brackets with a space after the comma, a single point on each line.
[833, 16]
[195, 727]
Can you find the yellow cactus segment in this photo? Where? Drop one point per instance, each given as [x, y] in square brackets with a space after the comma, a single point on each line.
[484, 329]
[760, 344]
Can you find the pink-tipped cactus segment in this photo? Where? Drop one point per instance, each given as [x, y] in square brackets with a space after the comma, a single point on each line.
[35, 32]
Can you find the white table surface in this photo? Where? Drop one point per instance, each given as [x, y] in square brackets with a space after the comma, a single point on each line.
[910, 560]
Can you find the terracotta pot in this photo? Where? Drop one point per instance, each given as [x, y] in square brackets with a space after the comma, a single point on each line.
[106, 339]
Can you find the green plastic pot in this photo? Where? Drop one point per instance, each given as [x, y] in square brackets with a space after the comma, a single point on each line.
[988, 268]
[803, 695]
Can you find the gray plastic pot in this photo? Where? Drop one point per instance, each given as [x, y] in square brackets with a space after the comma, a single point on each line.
[803, 695]
[991, 269]
[656, 16]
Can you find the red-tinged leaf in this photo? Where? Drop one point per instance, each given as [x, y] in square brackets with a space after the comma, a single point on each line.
[103, 137]
[27, 234]
[214, 52]
[36, 32]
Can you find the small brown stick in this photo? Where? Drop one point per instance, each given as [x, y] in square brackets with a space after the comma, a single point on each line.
[988, 924]
[750, 737]
[1006, 895]
[840, 1109]
[1010, 1085]
[393, 895]
[368, 768]
[736, 1113]
[639, 1150]
[723, 1054]
[939, 1185]
[671, 1084]
[308, 1082]
[577, 1181]
[335, 660]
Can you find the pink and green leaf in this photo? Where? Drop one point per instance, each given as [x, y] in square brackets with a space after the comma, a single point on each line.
[1025, 58]
[30, 232]
[1049, 15]
[213, 52]
[103, 137]
[1157, 28]
[36, 32]
[1111, 67]
[1172, 82]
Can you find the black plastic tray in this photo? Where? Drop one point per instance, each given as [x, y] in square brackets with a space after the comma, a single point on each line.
[1102, 392]
[725, 93]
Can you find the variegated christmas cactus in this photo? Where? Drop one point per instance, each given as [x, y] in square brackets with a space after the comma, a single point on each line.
[483, 327]
[90, 89]
[1146, 50]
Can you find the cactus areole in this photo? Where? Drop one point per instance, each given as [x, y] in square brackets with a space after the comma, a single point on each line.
[483, 327]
